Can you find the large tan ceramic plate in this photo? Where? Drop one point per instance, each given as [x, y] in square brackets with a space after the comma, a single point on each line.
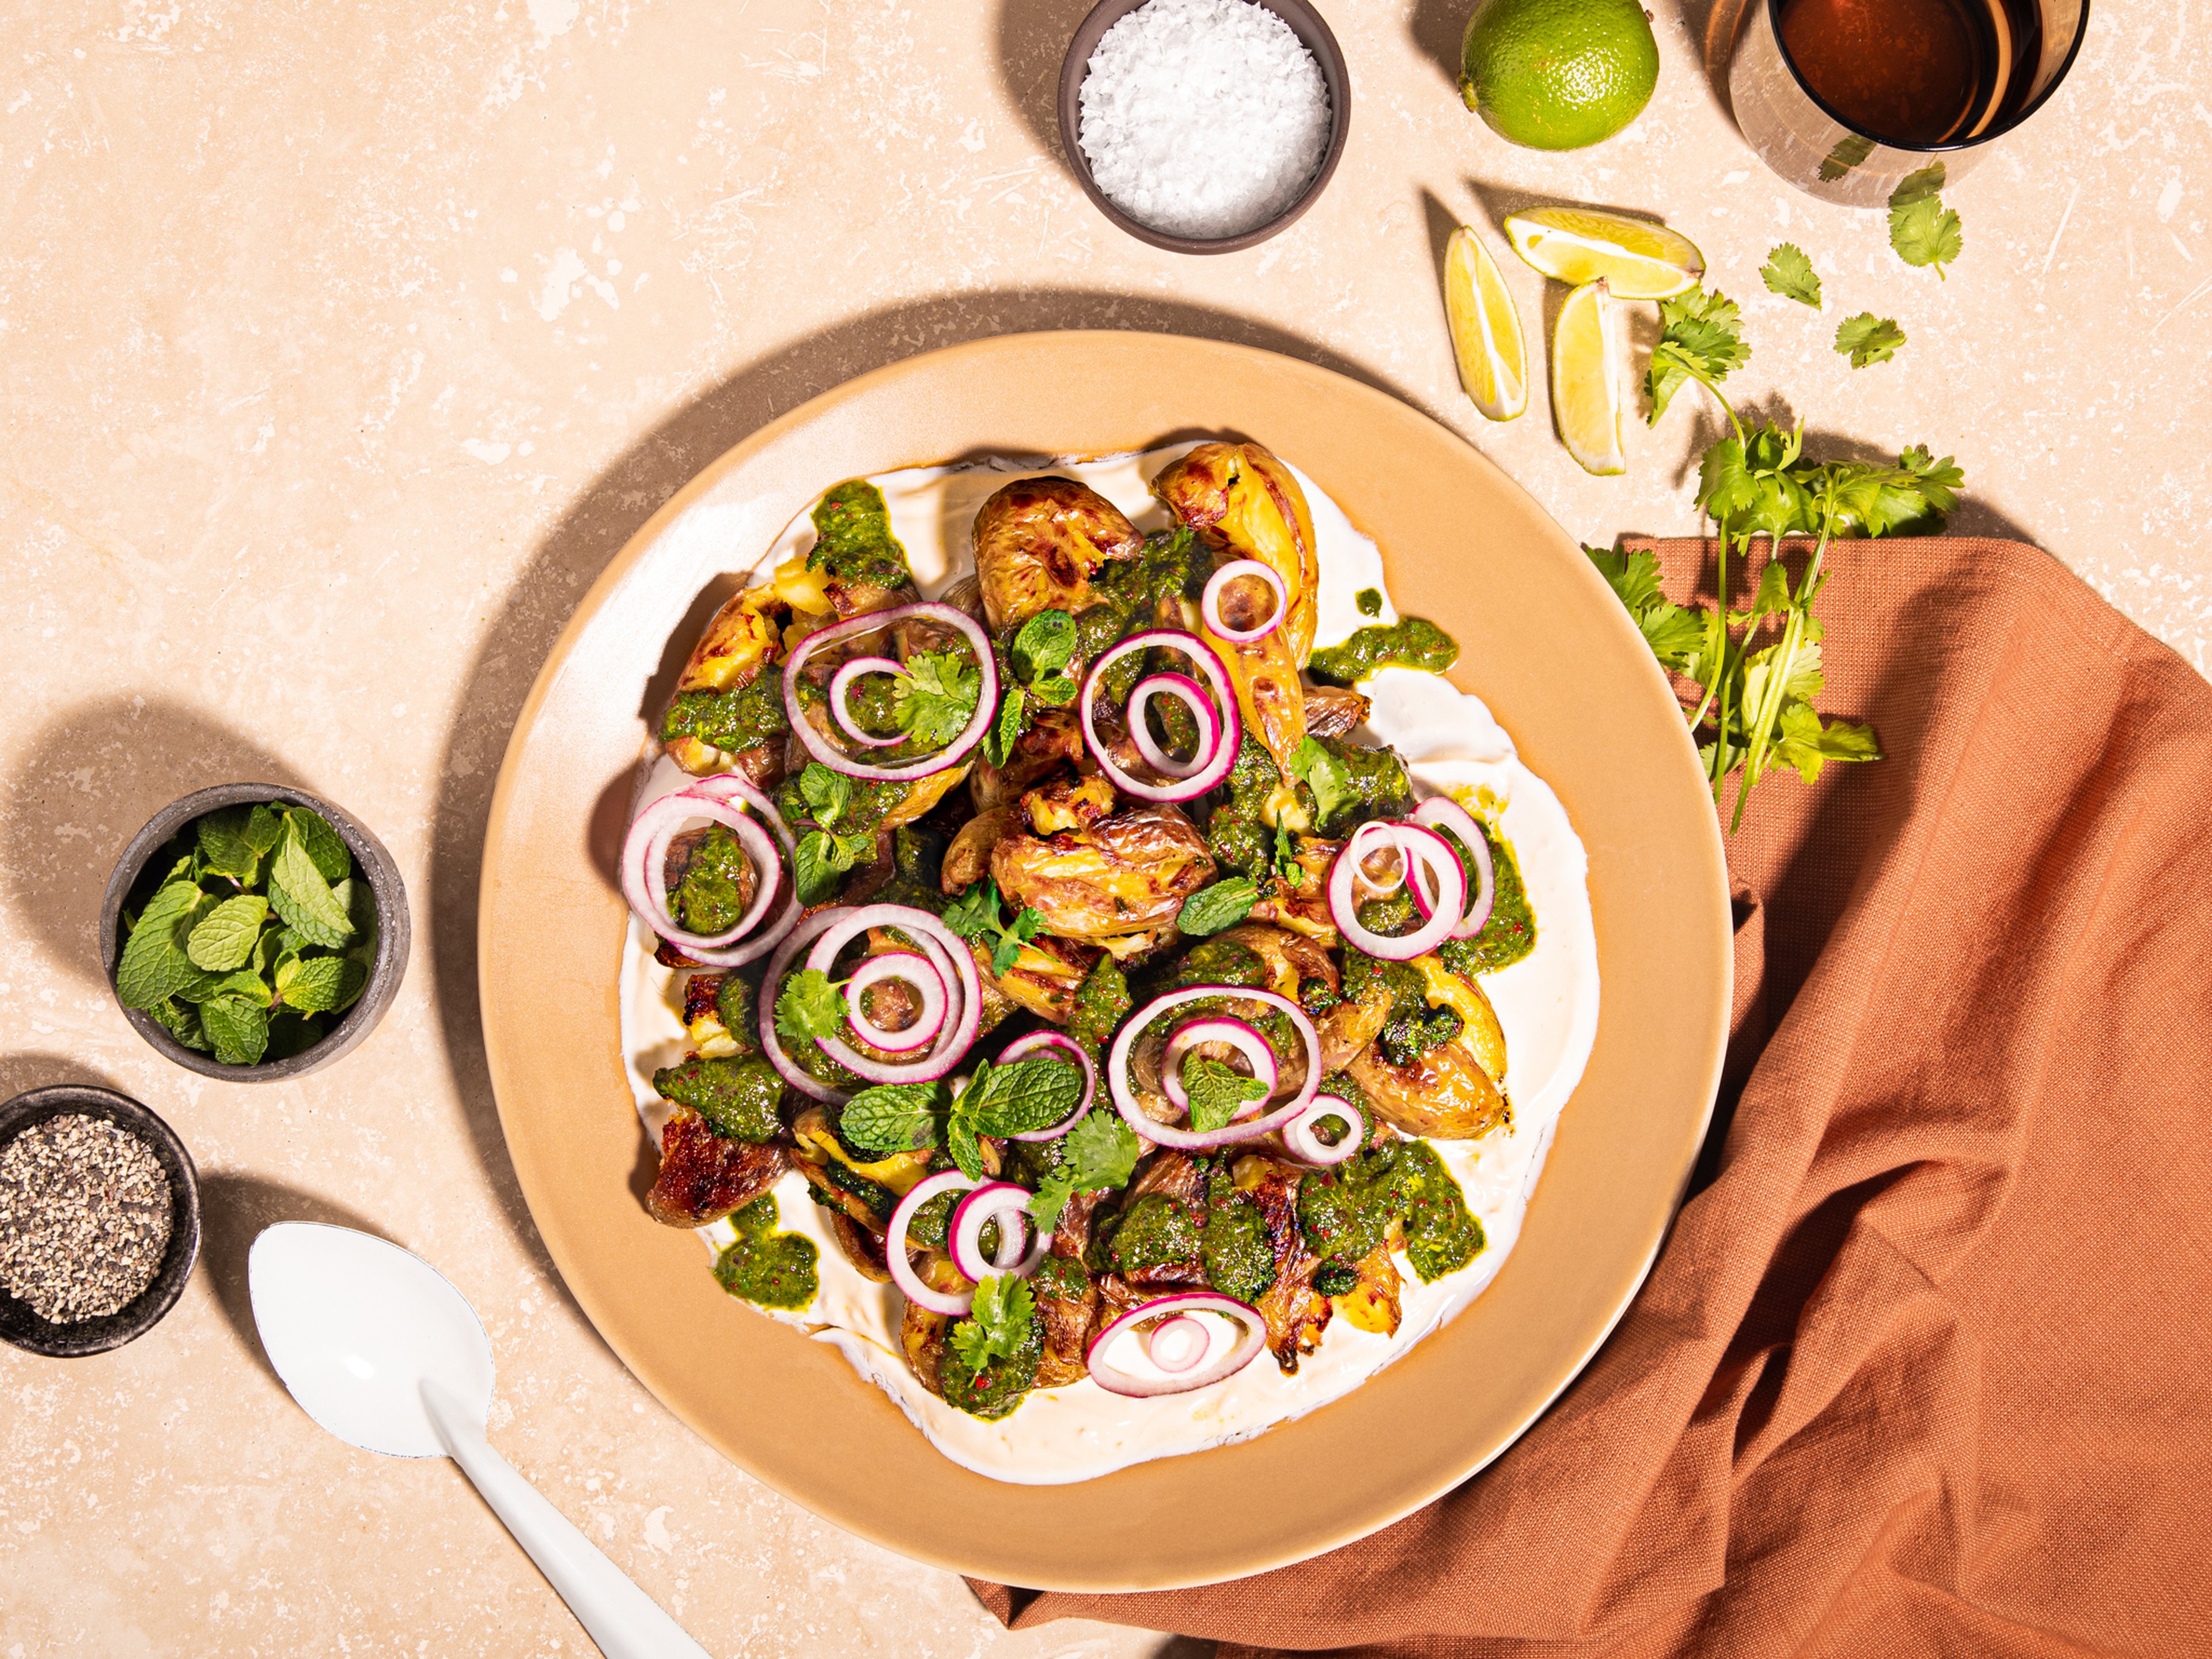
[1543, 643]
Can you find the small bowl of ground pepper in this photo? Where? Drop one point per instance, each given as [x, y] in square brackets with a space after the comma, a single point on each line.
[99, 1220]
[254, 933]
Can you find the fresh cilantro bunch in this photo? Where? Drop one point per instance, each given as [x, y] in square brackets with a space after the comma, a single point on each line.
[1758, 668]
[998, 1101]
[1038, 660]
[998, 1322]
[257, 930]
[975, 916]
[1099, 1154]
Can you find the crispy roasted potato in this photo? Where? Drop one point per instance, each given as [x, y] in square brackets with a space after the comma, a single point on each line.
[1334, 710]
[1037, 541]
[968, 860]
[1272, 700]
[1245, 504]
[1290, 958]
[1296, 1314]
[742, 643]
[1126, 874]
[1441, 1092]
[1373, 1304]
[1053, 740]
[704, 1176]
[1303, 906]
[1067, 804]
[1045, 977]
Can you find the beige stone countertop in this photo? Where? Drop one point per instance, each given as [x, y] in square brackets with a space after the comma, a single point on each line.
[341, 346]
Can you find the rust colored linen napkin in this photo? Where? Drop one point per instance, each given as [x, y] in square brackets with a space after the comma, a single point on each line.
[1926, 1364]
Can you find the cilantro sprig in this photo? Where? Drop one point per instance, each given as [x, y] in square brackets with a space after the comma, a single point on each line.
[936, 698]
[998, 1323]
[1099, 1154]
[975, 916]
[1865, 338]
[1758, 669]
[1921, 228]
[1790, 274]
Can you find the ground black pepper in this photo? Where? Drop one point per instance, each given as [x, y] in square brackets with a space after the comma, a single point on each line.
[85, 1211]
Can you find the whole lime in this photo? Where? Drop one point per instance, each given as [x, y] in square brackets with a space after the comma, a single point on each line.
[1558, 74]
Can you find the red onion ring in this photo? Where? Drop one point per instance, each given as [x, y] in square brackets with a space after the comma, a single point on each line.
[1209, 602]
[986, 696]
[956, 969]
[1008, 1204]
[1420, 859]
[1363, 842]
[902, 1273]
[1245, 1038]
[1202, 1371]
[1443, 813]
[1298, 1133]
[813, 1088]
[645, 860]
[911, 968]
[1177, 1343]
[1023, 1047]
[1419, 846]
[1125, 1096]
[840, 686]
[1228, 733]
[1192, 696]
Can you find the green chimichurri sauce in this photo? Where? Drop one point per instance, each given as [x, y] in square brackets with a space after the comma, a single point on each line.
[1234, 834]
[1155, 1231]
[1441, 1235]
[1238, 1256]
[744, 717]
[1001, 1385]
[711, 897]
[1102, 1003]
[1409, 642]
[737, 1001]
[774, 1269]
[1369, 601]
[1511, 932]
[738, 1097]
[852, 537]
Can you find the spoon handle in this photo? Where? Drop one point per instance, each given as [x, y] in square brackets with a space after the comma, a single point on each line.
[625, 1622]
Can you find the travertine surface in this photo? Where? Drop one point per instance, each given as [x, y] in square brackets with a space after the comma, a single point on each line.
[340, 346]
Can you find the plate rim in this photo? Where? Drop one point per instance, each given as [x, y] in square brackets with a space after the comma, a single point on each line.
[1710, 855]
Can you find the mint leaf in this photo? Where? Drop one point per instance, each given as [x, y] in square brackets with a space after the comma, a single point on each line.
[1865, 338]
[244, 984]
[1021, 1098]
[826, 793]
[822, 858]
[894, 1117]
[225, 937]
[351, 983]
[324, 845]
[182, 1021]
[1216, 1092]
[224, 850]
[1790, 274]
[1224, 904]
[291, 1034]
[960, 1141]
[298, 892]
[312, 986]
[998, 1323]
[239, 1030]
[808, 1007]
[1043, 646]
[154, 965]
[1006, 728]
[262, 829]
[1326, 776]
[937, 698]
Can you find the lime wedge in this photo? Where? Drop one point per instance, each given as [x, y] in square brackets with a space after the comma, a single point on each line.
[1485, 329]
[1585, 393]
[1637, 259]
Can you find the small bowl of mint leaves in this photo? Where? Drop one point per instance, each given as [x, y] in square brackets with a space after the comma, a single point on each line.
[253, 933]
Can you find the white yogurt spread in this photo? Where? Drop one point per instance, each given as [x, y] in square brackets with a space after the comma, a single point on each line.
[1547, 1003]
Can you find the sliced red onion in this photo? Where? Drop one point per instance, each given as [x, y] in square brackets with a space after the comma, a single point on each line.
[1125, 1095]
[1121, 1364]
[841, 687]
[1226, 732]
[1364, 841]
[1036, 1041]
[1177, 1342]
[789, 1069]
[987, 696]
[1298, 1133]
[645, 860]
[955, 965]
[1008, 1204]
[1443, 813]
[1245, 1039]
[1192, 696]
[907, 967]
[902, 1273]
[1422, 847]
[1423, 853]
[1209, 602]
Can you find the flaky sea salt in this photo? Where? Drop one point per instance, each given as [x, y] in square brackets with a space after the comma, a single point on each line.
[1203, 117]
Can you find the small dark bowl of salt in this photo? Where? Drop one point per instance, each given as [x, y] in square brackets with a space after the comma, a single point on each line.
[99, 1220]
[1204, 126]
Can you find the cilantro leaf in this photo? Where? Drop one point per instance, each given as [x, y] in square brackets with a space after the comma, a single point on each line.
[1790, 274]
[1218, 1092]
[894, 1117]
[1921, 228]
[1701, 338]
[1098, 1155]
[937, 698]
[1221, 905]
[1021, 1098]
[1673, 633]
[1865, 338]
[1326, 775]
[998, 1322]
[808, 1007]
[1806, 742]
[974, 915]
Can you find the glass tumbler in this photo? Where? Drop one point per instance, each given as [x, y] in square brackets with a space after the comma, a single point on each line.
[1844, 98]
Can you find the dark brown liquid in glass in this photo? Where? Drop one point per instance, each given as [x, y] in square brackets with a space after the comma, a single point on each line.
[1915, 71]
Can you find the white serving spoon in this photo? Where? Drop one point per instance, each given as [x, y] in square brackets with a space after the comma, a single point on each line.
[379, 1348]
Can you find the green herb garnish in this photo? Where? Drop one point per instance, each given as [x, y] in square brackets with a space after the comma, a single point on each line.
[998, 1101]
[974, 915]
[1921, 228]
[1866, 338]
[1790, 274]
[1098, 1155]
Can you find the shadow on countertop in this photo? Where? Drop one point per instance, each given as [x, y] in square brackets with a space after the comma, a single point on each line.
[234, 1208]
